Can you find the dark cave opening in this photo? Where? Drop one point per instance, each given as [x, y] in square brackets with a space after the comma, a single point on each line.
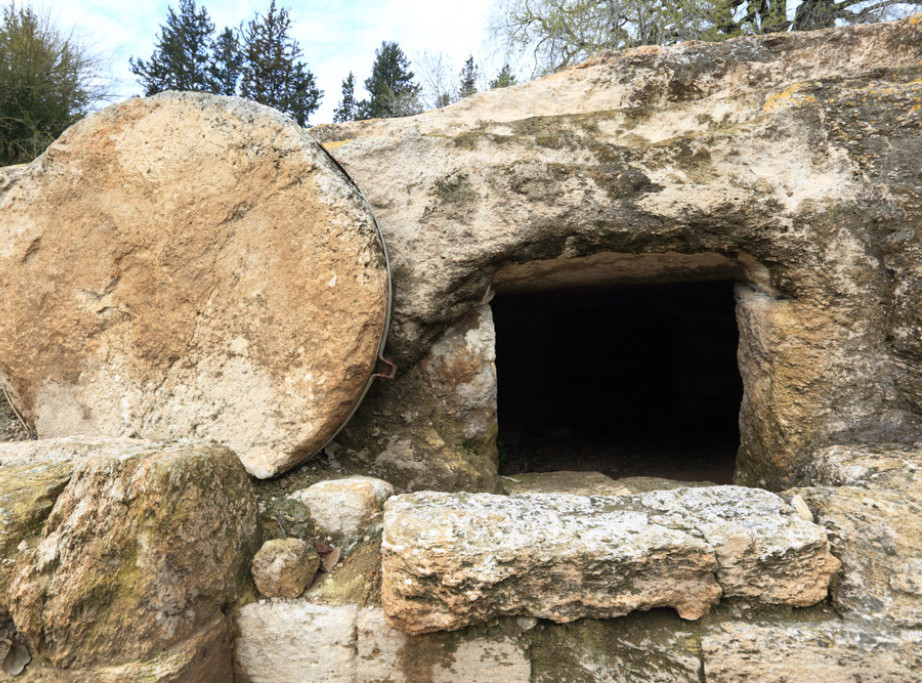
[639, 380]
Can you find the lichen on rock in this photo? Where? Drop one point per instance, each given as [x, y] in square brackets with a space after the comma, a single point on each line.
[141, 551]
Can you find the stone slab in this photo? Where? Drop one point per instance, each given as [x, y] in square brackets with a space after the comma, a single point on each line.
[450, 560]
[190, 266]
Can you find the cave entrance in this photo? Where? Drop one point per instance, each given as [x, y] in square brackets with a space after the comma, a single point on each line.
[627, 380]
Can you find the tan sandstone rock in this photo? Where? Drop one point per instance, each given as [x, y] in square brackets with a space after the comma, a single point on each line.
[140, 553]
[826, 651]
[283, 568]
[887, 467]
[27, 494]
[869, 498]
[878, 537]
[576, 483]
[190, 266]
[449, 560]
[296, 642]
[345, 506]
[441, 432]
[788, 162]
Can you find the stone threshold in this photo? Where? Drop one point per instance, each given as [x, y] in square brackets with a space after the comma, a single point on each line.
[450, 560]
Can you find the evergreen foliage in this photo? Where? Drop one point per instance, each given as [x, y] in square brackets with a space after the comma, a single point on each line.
[467, 85]
[504, 78]
[273, 73]
[182, 58]
[391, 87]
[260, 61]
[227, 64]
[347, 109]
[47, 82]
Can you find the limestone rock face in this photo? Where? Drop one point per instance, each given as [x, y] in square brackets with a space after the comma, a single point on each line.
[440, 433]
[878, 537]
[27, 494]
[69, 449]
[205, 656]
[453, 560]
[869, 498]
[886, 467]
[284, 567]
[777, 653]
[139, 554]
[279, 642]
[577, 483]
[788, 162]
[296, 641]
[345, 506]
[299, 641]
[189, 266]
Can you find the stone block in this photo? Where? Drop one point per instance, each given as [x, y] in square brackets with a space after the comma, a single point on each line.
[450, 560]
[345, 506]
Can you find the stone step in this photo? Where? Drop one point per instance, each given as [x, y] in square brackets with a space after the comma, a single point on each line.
[451, 560]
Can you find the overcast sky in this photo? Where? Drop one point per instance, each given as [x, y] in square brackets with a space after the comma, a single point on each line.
[336, 37]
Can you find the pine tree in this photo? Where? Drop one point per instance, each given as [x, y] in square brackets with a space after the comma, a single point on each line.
[226, 65]
[391, 86]
[182, 57]
[468, 79]
[273, 73]
[503, 79]
[347, 109]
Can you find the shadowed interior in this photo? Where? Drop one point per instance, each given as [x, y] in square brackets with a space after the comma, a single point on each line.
[632, 381]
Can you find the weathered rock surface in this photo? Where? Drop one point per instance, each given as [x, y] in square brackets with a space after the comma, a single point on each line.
[869, 498]
[189, 266]
[576, 483]
[441, 433]
[777, 653]
[27, 494]
[788, 162]
[32, 476]
[385, 654]
[644, 484]
[141, 552]
[284, 567]
[206, 656]
[885, 467]
[878, 537]
[295, 641]
[453, 560]
[69, 449]
[345, 506]
[655, 647]
[299, 641]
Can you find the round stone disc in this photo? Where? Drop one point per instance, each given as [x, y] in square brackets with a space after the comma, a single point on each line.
[190, 266]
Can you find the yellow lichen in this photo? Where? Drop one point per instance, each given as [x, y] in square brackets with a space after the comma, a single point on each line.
[330, 146]
[782, 99]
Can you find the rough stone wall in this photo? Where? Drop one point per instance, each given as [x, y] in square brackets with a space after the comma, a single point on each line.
[794, 156]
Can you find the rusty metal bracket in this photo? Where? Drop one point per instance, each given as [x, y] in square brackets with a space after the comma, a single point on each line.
[391, 371]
